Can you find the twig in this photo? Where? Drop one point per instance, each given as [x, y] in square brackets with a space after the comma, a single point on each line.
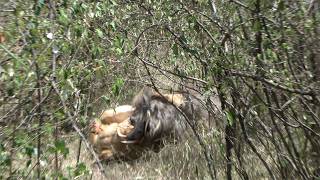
[179, 75]
[210, 164]
[54, 59]
[271, 83]
[75, 127]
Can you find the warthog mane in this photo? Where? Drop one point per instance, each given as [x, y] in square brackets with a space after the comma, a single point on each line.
[155, 119]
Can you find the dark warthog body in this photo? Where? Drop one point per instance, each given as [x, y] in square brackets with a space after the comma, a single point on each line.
[156, 119]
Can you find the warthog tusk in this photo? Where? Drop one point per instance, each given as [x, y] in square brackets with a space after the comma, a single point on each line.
[120, 134]
[129, 142]
[158, 126]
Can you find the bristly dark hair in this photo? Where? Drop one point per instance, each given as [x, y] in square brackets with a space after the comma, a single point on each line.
[154, 118]
[142, 99]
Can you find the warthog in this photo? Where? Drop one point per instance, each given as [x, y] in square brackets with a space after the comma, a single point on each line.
[156, 118]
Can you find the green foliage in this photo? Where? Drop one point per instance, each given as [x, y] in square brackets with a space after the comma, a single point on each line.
[230, 117]
[5, 160]
[59, 147]
[81, 169]
[116, 87]
[80, 57]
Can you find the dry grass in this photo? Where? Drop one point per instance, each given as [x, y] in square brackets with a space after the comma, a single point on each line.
[180, 161]
[184, 160]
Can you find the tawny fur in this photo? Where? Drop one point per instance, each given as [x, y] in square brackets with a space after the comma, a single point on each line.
[176, 99]
[106, 141]
[116, 115]
[104, 132]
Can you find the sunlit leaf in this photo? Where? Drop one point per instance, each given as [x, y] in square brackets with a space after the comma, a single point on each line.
[230, 117]
[117, 85]
[99, 33]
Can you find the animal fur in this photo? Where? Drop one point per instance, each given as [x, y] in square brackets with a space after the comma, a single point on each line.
[104, 132]
[116, 115]
[150, 120]
[155, 119]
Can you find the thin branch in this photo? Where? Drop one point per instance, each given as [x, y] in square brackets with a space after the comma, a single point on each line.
[75, 127]
[271, 83]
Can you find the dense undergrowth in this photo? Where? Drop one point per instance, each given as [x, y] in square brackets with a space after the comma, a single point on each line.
[63, 62]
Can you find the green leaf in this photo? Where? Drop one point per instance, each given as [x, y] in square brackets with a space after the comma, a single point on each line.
[175, 49]
[29, 150]
[230, 117]
[184, 39]
[1, 147]
[106, 99]
[63, 17]
[192, 51]
[60, 147]
[49, 128]
[28, 163]
[99, 33]
[116, 87]
[113, 25]
[78, 30]
[5, 159]
[80, 170]
[38, 7]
